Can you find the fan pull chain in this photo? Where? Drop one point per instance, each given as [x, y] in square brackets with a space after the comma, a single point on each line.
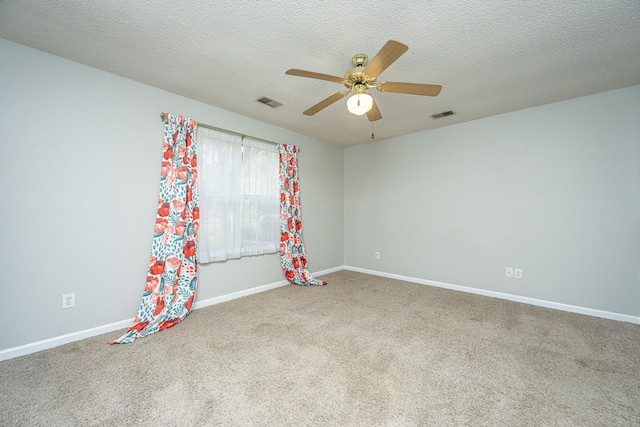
[372, 137]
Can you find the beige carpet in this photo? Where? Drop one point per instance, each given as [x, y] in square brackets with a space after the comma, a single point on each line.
[361, 351]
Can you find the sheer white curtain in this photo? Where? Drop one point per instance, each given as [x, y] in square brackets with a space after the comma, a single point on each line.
[260, 198]
[220, 161]
[239, 196]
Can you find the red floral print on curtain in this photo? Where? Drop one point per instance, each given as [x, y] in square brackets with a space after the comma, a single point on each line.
[172, 275]
[292, 254]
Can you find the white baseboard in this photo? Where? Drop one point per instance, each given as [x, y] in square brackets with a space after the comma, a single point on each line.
[37, 346]
[328, 270]
[517, 298]
[23, 350]
[239, 294]
[257, 289]
[34, 347]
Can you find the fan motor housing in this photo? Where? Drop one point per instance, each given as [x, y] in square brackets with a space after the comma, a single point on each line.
[356, 76]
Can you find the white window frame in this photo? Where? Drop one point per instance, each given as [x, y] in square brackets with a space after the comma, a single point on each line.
[239, 195]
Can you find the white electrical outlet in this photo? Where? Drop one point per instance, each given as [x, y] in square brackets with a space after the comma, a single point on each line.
[509, 271]
[517, 273]
[68, 301]
[376, 255]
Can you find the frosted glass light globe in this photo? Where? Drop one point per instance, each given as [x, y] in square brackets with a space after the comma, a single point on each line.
[359, 103]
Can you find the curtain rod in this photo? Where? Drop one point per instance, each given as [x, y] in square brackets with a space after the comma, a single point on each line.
[163, 117]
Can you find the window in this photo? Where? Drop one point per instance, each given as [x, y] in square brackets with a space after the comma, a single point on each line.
[239, 196]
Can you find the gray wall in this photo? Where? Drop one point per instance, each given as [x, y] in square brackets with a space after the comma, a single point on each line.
[81, 152]
[553, 190]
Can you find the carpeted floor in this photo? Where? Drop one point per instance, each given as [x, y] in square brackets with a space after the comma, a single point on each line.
[361, 351]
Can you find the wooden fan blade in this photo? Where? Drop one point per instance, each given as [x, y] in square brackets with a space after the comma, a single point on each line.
[374, 113]
[391, 51]
[410, 88]
[325, 103]
[312, 75]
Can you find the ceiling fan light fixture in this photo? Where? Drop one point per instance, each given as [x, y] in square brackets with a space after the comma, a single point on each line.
[359, 103]
[362, 77]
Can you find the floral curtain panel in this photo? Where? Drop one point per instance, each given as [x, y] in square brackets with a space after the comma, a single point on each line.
[172, 275]
[292, 254]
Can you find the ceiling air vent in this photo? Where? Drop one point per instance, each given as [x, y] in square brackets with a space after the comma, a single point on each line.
[270, 102]
[443, 114]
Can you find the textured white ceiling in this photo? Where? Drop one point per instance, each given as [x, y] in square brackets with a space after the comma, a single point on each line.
[491, 56]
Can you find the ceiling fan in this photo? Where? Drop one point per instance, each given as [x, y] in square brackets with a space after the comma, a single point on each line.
[363, 77]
